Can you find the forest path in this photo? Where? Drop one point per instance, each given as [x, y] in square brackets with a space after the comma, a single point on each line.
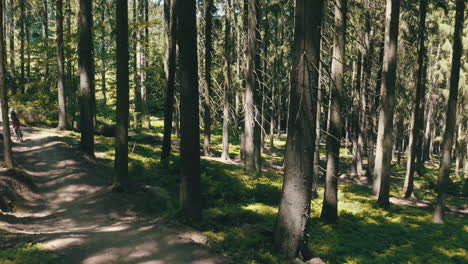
[75, 213]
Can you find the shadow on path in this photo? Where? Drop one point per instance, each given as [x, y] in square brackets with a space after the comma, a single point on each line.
[75, 213]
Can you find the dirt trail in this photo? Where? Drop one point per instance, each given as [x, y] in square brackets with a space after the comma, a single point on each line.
[74, 212]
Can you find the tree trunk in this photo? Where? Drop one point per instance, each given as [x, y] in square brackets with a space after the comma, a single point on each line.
[459, 150]
[365, 96]
[71, 87]
[373, 116]
[136, 59]
[330, 198]
[250, 127]
[447, 142]
[144, 64]
[419, 92]
[170, 70]
[190, 197]
[62, 125]
[427, 132]
[258, 91]
[316, 168]
[86, 65]
[122, 113]
[360, 126]
[419, 163]
[22, 41]
[208, 80]
[291, 225]
[273, 87]
[12, 46]
[7, 155]
[104, 53]
[45, 35]
[383, 156]
[28, 42]
[227, 81]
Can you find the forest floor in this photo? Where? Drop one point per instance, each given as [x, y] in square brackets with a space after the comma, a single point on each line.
[73, 216]
[69, 214]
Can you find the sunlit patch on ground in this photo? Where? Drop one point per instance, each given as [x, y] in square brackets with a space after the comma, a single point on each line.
[62, 243]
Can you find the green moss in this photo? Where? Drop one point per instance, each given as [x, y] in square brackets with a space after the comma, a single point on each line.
[28, 254]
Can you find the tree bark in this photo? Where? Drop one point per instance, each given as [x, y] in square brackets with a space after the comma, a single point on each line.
[251, 129]
[366, 95]
[122, 113]
[359, 127]
[136, 58]
[417, 106]
[208, 80]
[45, 35]
[28, 42]
[22, 41]
[227, 81]
[170, 70]
[330, 198]
[62, 125]
[86, 65]
[104, 53]
[373, 116]
[258, 92]
[383, 156]
[144, 64]
[451, 114]
[12, 46]
[190, 197]
[273, 86]
[291, 224]
[7, 154]
[71, 87]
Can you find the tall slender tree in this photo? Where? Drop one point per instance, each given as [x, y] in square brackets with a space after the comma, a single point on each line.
[419, 92]
[136, 59]
[227, 81]
[12, 23]
[103, 52]
[71, 86]
[45, 35]
[190, 197]
[60, 67]
[27, 32]
[208, 79]
[330, 199]
[86, 67]
[170, 70]
[293, 216]
[451, 114]
[251, 130]
[145, 64]
[121, 132]
[7, 155]
[383, 156]
[22, 42]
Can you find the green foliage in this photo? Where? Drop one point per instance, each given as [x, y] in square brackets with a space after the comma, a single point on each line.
[401, 234]
[28, 254]
[36, 107]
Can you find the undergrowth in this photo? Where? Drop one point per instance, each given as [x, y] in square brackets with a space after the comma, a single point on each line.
[28, 254]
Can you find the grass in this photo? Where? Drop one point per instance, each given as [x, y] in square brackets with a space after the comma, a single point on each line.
[240, 210]
[27, 254]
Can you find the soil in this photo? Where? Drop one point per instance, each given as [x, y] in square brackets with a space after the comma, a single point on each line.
[72, 210]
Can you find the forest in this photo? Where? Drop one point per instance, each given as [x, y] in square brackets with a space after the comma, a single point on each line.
[233, 131]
